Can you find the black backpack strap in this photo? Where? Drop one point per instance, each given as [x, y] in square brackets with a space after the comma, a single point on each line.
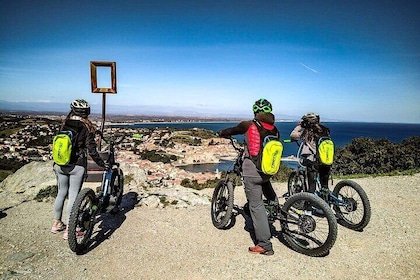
[261, 128]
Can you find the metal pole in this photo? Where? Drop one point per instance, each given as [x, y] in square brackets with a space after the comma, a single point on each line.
[103, 117]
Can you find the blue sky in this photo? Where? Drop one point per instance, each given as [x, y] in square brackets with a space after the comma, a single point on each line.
[346, 60]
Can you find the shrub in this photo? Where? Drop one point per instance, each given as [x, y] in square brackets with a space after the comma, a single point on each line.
[283, 174]
[157, 156]
[192, 184]
[50, 191]
[370, 156]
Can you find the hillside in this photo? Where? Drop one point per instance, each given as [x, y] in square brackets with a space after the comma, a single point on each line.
[168, 243]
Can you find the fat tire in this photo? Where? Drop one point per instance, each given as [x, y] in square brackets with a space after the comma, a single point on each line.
[348, 223]
[86, 195]
[222, 204]
[292, 237]
[117, 180]
[121, 187]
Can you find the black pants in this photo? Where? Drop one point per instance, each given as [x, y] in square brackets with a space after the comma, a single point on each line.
[324, 173]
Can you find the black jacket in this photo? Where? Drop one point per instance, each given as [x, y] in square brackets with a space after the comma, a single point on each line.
[85, 144]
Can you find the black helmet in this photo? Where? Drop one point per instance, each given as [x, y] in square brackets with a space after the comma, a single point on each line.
[80, 107]
[262, 105]
[310, 118]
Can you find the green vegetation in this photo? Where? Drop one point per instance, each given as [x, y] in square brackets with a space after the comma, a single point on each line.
[369, 156]
[363, 157]
[157, 156]
[202, 133]
[192, 137]
[8, 167]
[50, 191]
[192, 184]
[187, 139]
[4, 174]
[163, 200]
[283, 174]
[7, 132]
[128, 179]
[40, 141]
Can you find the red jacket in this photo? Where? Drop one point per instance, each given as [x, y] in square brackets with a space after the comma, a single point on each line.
[251, 135]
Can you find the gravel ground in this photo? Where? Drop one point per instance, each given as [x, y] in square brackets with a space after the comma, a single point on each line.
[145, 243]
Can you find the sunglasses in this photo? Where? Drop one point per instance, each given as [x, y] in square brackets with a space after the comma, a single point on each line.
[265, 109]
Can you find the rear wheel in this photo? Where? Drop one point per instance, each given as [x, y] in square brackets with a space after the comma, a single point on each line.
[82, 220]
[310, 229]
[222, 204]
[353, 209]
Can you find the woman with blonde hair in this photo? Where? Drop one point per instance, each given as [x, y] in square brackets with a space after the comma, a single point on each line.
[70, 177]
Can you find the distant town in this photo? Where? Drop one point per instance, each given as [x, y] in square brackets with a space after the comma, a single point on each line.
[27, 137]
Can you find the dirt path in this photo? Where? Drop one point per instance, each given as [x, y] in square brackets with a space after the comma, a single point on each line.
[144, 243]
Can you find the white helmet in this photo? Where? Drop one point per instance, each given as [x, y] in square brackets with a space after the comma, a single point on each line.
[310, 118]
[80, 107]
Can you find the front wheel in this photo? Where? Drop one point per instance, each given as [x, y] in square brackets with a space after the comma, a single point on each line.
[353, 206]
[82, 220]
[222, 204]
[310, 228]
[296, 182]
[117, 186]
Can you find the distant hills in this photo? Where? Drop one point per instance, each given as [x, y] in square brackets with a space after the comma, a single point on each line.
[167, 111]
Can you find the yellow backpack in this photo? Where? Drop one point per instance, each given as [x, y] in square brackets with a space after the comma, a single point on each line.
[325, 151]
[62, 147]
[268, 159]
[271, 155]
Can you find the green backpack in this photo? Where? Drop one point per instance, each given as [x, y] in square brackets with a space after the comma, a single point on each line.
[62, 146]
[325, 151]
[269, 158]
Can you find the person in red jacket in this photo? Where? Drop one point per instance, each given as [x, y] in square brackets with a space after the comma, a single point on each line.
[256, 183]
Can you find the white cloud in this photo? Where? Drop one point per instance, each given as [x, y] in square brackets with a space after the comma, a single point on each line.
[309, 68]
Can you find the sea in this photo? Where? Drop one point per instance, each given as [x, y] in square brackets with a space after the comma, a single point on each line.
[341, 132]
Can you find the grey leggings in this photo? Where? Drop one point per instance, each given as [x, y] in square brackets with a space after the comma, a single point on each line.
[255, 188]
[69, 180]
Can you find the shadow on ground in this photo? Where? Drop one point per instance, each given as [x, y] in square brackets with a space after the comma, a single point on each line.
[108, 223]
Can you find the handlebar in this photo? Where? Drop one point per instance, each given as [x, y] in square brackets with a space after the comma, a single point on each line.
[235, 144]
[292, 141]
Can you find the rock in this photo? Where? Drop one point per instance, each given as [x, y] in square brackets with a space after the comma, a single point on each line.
[178, 197]
[151, 201]
[137, 175]
[26, 182]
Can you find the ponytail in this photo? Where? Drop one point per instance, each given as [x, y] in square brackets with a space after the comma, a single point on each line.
[89, 124]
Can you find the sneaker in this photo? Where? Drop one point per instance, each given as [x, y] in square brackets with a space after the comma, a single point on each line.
[56, 228]
[260, 250]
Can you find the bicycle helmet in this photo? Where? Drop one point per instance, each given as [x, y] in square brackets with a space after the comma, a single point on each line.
[310, 118]
[80, 107]
[262, 105]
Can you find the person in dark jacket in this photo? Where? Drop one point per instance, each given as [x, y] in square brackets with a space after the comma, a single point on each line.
[256, 183]
[70, 177]
[309, 130]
